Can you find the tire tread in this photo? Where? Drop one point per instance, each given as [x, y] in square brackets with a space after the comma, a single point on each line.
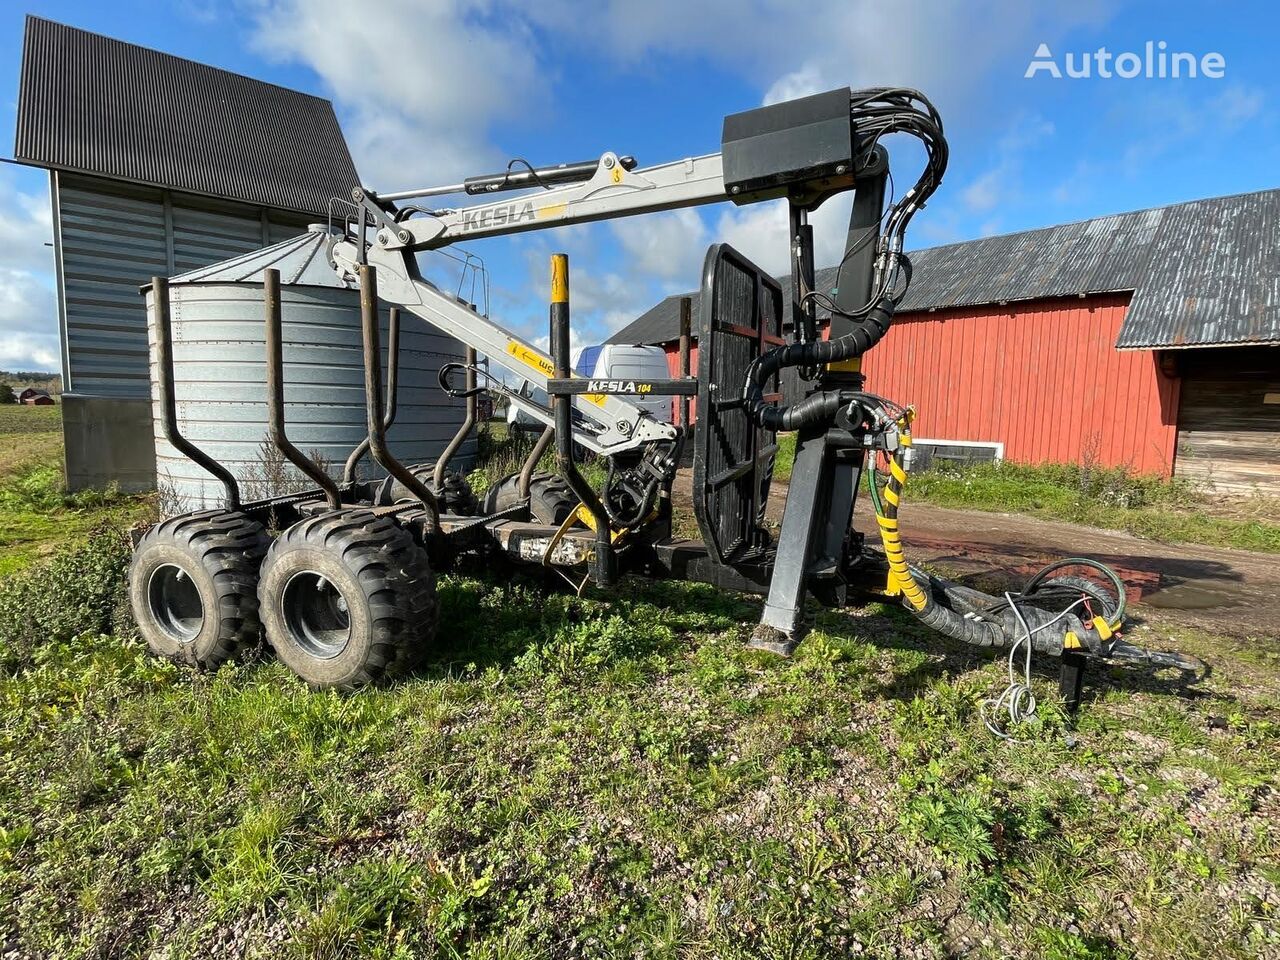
[394, 574]
[230, 546]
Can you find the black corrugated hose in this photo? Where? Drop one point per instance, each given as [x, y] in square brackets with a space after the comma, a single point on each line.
[819, 407]
[942, 605]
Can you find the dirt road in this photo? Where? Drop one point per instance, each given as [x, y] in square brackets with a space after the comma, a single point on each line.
[1227, 591]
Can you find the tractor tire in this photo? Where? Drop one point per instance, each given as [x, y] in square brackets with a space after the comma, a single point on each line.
[550, 498]
[455, 497]
[193, 586]
[348, 598]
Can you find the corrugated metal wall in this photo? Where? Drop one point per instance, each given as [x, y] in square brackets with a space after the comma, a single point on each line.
[114, 238]
[220, 387]
[106, 108]
[1043, 378]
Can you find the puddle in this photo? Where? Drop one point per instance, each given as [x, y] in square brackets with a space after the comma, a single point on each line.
[1196, 595]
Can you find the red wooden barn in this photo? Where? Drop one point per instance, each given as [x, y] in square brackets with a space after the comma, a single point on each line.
[35, 398]
[1147, 340]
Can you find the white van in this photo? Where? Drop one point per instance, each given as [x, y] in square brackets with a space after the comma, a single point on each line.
[609, 361]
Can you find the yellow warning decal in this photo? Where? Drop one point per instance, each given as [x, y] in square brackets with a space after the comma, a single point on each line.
[532, 358]
[550, 210]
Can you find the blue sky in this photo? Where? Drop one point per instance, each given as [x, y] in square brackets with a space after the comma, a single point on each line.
[434, 90]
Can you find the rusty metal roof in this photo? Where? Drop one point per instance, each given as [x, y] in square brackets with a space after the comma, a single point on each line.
[1202, 273]
[91, 104]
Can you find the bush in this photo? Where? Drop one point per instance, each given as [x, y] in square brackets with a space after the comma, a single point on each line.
[501, 452]
[80, 589]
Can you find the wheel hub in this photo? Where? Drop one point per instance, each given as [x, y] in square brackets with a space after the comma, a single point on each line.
[175, 603]
[315, 612]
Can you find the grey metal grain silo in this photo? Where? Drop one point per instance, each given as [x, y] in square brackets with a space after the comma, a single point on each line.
[220, 375]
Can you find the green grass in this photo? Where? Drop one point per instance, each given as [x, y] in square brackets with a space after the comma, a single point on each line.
[18, 419]
[28, 433]
[611, 775]
[37, 515]
[785, 459]
[616, 776]
[1172, 511]
[500, 453]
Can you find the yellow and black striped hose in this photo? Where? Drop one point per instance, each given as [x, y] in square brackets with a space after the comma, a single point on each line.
[933, 600]
[986, 621]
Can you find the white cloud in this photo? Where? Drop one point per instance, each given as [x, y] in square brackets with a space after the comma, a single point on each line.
[423, 84]
[1082, 182]
[1236, 104]
[1002, 181]
[805, 46]
[419, 84]
[26, 302]
[984, 192]
[28, 322]
[28, 306]
[29, 351]
[603, 303]
[26, 226]
[1170, 120]
[667, 246]
[759, 232]
[990, 228]
[792, 86]
[424, 87]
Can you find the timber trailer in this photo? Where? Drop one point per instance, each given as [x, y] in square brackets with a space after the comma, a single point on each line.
[345, 591]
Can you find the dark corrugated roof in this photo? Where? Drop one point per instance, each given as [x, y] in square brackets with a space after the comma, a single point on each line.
[92, 104]
[659, 324]
[1203, 273]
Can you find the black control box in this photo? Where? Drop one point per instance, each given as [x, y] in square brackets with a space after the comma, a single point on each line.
[786, 147]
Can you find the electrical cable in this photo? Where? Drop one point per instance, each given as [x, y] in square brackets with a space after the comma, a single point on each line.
[1018, 699]
[1041, 575]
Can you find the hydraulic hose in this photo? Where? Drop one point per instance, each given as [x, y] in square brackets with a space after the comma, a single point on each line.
[934, 601]
[819, 407]
[1117, 617]
[981, 620]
